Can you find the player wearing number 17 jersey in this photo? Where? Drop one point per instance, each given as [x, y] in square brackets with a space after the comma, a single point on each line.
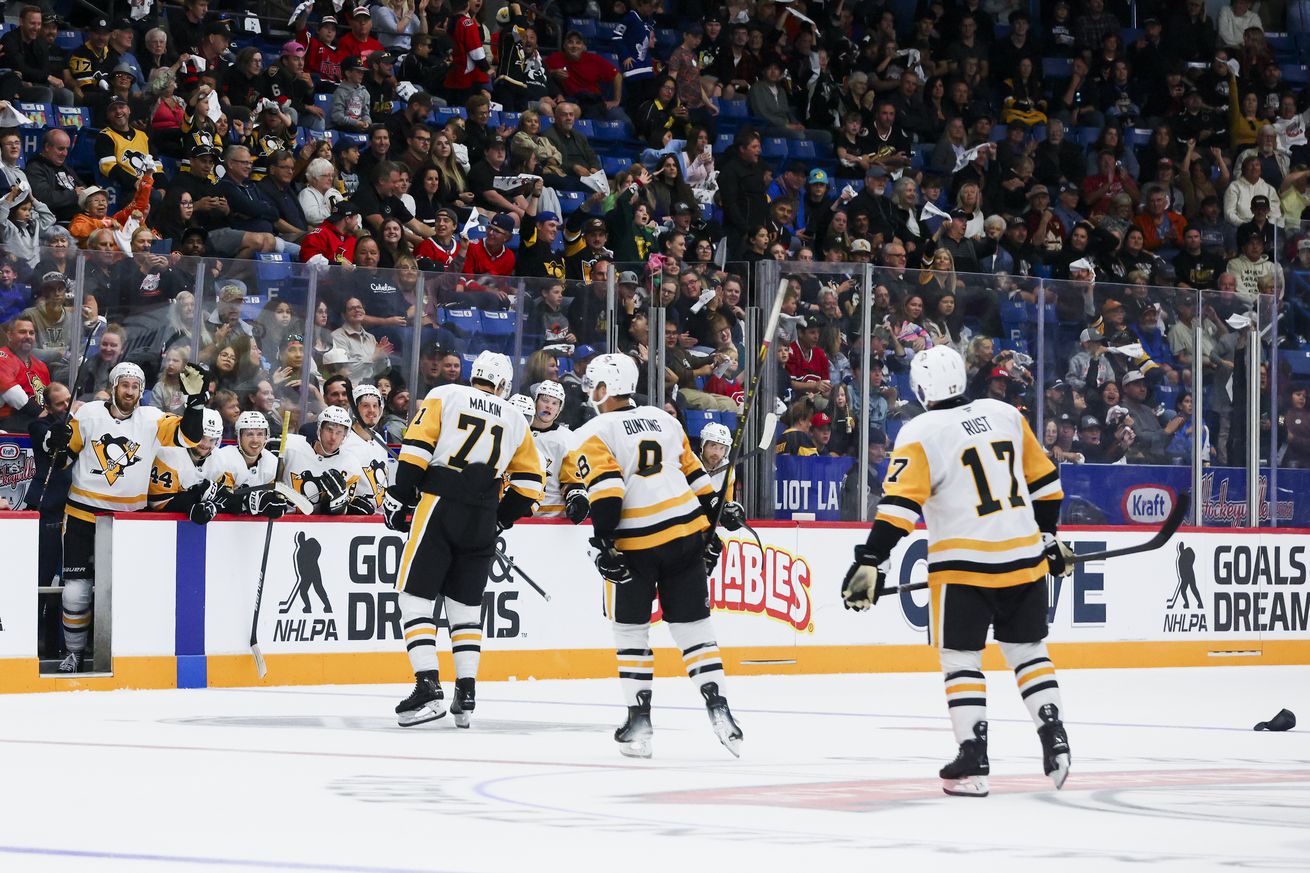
[991, 501]
[464, 441]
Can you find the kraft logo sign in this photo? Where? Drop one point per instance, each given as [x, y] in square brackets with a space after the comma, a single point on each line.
[1148, 504]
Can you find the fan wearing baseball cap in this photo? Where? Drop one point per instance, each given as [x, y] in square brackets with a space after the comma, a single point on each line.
[360, 41]
[537, 234]
[92, 62]
[492, 255]
[323, 52]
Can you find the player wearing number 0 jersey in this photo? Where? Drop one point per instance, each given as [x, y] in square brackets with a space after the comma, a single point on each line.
[465, 441]
[991, 501]
[650, 506]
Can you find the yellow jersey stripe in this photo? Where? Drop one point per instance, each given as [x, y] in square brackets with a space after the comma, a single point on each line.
[659, 538]
[684, 499]
[984, 545]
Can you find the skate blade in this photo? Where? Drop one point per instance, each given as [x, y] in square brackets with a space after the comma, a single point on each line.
[968, 786]
[1061, 771]
[730, 739]
[635, 748]
[424, 714]
[462, 719]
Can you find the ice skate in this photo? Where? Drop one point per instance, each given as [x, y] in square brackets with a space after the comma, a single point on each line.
[463, 704]
[634, 737]
[425, 704]
[1055, 745]
[725, 726]
[72, 663]
[966, 776]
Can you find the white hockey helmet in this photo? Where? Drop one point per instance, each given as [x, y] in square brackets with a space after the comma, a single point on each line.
[938, 374]
[524, 404]
[251, 421]
[126, 370]
[211, 424]
[550, 389]
[618, 373]
[716, 433]
[334, 415]
[495, 369]
[362, 391]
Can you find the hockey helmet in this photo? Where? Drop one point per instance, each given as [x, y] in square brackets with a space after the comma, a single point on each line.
[523, 403]
[251, 421]
[617, 372]
[494, 369]
[550, 389]
[716, 433]
[211, 424]
[938, 374]
[126, 370]
[334, 415]
[362, 391]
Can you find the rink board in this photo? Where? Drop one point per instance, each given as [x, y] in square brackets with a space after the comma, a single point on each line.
[183, 597]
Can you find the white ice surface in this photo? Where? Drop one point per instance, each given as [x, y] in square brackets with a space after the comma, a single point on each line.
[837, 773]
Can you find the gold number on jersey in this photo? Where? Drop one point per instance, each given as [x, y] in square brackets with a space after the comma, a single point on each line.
[476, 425]
[650, 458]
[987, 504]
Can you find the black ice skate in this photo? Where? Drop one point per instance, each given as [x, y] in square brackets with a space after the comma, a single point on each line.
[966, 776]
[635, 735]
[464, 702]
[1055, 744]
[72, 663]
[425, 704]
[725, 726]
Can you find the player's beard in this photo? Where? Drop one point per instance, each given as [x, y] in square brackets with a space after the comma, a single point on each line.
[125, 409]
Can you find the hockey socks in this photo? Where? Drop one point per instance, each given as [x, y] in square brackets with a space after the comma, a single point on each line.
[465, 637]
[636, 661]
[1035, 675]
[700, 652]
[76, 602]
[966, 691]
[419, 625]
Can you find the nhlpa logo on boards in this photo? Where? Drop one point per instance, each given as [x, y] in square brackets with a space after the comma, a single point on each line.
[309, 580]
[1148, 504]
[774, 583]
[1185, 611]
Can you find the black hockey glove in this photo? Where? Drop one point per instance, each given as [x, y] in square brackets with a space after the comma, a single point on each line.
[713, 549]
[395, 512]
[268, 503]
[1059, 557]
[864, 580]
[362, 504]
[609, 561]
[58, 438]
[733, 516]
[576, 506]
[195, 382]
[209, 500]
[334, 492]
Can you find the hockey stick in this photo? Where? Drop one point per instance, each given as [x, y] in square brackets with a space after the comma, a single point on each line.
[263, 561]
[507, 561]
[748, 402]
[1170, 526]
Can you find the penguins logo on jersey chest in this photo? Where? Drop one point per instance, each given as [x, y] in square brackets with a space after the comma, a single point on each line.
[115, 454]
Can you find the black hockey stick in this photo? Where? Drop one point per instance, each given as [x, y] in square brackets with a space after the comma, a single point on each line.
[263, 561]
[507, 561]
[1172, 522]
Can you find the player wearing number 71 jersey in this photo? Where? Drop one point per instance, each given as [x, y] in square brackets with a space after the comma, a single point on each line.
[464, 441]
[991, 501]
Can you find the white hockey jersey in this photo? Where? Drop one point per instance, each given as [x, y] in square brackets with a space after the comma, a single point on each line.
[641, 456]
[374, 461]
[553, 445]
[305, 469]
[114, 458]
[174, 471]
[973, 472]
[230, 467]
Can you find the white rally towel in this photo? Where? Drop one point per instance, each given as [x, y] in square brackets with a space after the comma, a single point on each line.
[931, 210]
[11, 117]
[300, 10]
[509, 183]
[965, 159]
[597, 182]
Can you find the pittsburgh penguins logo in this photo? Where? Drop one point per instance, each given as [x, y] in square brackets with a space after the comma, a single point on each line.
[311, 485]
[137, 163]
[115, 454]
[376, 471]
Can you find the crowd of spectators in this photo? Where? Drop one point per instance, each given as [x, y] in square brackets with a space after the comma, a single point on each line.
[437, 163]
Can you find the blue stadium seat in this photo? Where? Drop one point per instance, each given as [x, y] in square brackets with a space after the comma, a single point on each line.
[1299, 361]
[733, 109]
[466, 366]
[498, 329]
[1059, 68]
[667, 37]
[69, 39]
[40, 114]
[510, 119]
[722, 143]
[1139, 136]
[727, 419]
[358, 138]
[696, 421]
[1295, 74]
[611, 131]
[774, 148]
[585, 127]
[465, 321]
[324, 102]
[73, 116]
[606, 30]
[614, 166]
[802, 149]
[584, 26]
[445, 113]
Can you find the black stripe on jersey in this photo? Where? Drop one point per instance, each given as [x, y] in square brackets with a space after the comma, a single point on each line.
[967, 701]
[984, 568]
[86, 507]
[527, 477]
[415, 622]
[635, 653]
[418, 444]
[704, 668]
[421, 641]
[609, 474]
[465, 647]
[1033, 663]
[627, 532]
[455, 628]
[1043, 481]
[697, 648]
[903, 503]
[964, 674]
[623, 674]
[1040, 686]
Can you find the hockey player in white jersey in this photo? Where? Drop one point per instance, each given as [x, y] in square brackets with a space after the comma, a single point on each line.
[523, 403]
[111, 445]
[715, 446]
[553, 440]
[184, 479]
[465, 441]
[991, 501]
[248, 470]
[650, 504]
[366, 447]
[331, 480]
